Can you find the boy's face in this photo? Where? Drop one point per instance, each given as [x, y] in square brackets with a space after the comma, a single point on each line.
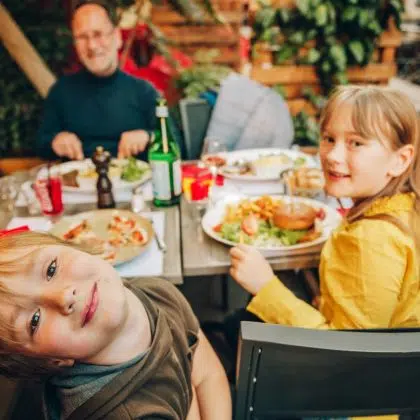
[74, 305]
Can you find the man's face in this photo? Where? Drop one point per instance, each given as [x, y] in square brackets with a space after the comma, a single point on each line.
[96, 40]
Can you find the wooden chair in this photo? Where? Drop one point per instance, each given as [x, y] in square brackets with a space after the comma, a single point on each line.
[286, 372]
[10, 165]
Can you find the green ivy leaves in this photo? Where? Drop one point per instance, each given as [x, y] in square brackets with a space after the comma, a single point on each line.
[201, 78]
[357, 50]
[344, 31]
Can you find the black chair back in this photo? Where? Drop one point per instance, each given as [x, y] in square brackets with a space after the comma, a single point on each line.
[296, 372]
[195, 117]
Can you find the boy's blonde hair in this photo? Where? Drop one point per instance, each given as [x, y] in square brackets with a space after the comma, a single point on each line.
[381, 113]
[15, 254]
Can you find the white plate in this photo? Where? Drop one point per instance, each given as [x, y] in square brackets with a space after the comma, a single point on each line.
[99, 221]
[88, 185]
[215, 216]
[253, 154]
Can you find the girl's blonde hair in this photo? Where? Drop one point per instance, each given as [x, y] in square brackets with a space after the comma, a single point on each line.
[381, 113]
[16, 252]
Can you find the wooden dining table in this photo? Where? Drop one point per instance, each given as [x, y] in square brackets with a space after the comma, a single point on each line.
[190, 252]
[172, 264]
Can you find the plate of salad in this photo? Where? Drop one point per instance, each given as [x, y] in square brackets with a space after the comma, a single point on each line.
[81, 176]
[273, 224]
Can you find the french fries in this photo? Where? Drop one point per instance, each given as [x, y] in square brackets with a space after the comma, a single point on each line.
[262, 208]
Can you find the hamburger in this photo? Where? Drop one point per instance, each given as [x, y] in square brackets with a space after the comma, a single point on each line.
[294, 216]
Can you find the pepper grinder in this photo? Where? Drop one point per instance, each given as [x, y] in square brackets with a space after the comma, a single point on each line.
[102, 158]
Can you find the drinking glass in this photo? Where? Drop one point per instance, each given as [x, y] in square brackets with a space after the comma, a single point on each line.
[32, 203]
[211, 157]
[8, 192]
[210, 154]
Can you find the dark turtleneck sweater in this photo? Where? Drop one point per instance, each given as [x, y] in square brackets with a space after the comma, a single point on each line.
[98, 110]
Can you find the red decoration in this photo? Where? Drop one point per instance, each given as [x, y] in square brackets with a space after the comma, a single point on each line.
[4, 232]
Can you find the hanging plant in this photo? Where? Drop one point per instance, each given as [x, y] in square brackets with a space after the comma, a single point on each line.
[202, 77]
[332, 35]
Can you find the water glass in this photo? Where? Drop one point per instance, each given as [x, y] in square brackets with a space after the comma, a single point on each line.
[212, 147]
[8, 192]
[27, 189]
[138, 201]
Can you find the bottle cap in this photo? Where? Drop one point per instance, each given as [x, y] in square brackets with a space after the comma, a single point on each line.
[161, 109]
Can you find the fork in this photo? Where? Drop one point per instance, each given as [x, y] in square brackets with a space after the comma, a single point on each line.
[160, 242]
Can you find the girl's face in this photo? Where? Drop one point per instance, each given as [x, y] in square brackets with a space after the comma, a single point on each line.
[353, 166]
[74, 305]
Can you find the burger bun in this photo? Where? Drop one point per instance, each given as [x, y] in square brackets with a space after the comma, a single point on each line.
[294, 216]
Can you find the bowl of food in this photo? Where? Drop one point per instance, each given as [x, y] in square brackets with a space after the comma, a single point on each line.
[271, 166]
[304, 181]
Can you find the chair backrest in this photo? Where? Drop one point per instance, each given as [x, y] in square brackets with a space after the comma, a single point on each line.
[297, 372]
[195, 117]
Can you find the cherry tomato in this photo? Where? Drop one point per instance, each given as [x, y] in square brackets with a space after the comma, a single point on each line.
[320, 214]
[250, 225]
[217, 228]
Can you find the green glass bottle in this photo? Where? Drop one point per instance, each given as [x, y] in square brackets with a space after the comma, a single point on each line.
[165, 161]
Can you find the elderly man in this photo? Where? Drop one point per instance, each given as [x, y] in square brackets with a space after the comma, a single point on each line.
[99, 105]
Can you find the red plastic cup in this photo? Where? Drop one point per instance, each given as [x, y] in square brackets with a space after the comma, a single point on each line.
[50, 195]
[199, 191]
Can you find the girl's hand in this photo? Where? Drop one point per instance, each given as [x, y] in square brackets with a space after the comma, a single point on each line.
[249, 268]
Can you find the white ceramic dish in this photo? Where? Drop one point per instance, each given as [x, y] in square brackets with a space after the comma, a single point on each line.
[88, 184]
[250, 155]
[215, 215]
[99, 221]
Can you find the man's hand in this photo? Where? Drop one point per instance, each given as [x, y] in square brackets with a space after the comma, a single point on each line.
[132, 143]
[67, 144]
[249, 268]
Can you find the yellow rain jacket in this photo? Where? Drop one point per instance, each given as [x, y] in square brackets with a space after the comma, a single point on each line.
[368, 277]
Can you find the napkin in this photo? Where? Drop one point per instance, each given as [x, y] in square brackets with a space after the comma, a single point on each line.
[70, 197]
[149, 263]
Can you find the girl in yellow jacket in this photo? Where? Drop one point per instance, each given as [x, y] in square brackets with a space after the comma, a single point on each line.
[369, 274]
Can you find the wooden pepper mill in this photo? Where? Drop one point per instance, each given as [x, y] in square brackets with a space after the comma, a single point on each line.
[102, 158]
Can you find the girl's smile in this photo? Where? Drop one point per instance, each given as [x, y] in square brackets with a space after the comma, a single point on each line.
[335, 176]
